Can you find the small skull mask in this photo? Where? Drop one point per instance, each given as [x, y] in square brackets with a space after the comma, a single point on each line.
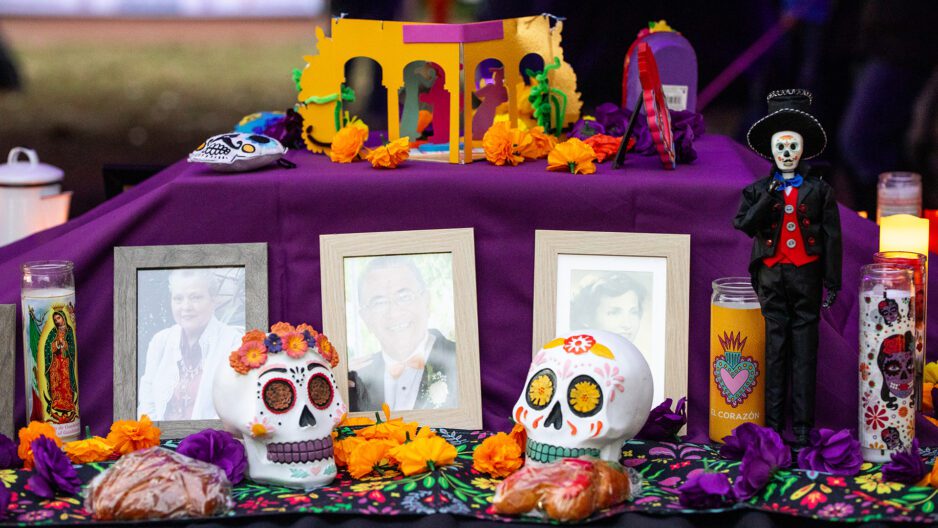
[236, 151]
[897, 363]
[787, 148]
[587, 392]
[892, 438]
[889, 309]
[282, 397]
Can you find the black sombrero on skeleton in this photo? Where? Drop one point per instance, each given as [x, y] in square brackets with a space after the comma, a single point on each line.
[788, 110]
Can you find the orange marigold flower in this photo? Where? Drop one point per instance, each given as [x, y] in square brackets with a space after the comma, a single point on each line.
[497, 455]
[572, 155]
[253, 335]
[424, 454]
[348, 421]
[520, 436]
[930, 479]
[541, 144]
[391, 155]
[396, 430]
[604, 146]
[347, 143]
[504, 145]
[253, 354]
[29, 433]
[326, 350]
[343, 449]
[234, 359]
[128, 436]
[307, 328]
[282, 329]
[94, 449]
[295, 345]
[368, 456]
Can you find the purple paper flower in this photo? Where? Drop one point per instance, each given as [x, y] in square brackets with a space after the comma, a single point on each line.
[8, 457]
[834, 452]
[613, 119]
[762, 452]
[218, 448]
[4, 500]
[273, 343]
[663, 423]
[585, 128]
[706, 490]
[735, 445]
[52, 470]
[906, 467]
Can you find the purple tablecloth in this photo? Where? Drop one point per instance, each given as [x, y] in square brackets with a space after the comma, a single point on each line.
[289, 209]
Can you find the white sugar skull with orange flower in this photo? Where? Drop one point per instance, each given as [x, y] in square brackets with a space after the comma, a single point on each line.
[587, 392]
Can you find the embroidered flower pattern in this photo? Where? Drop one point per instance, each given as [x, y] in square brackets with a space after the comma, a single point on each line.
[875, 417]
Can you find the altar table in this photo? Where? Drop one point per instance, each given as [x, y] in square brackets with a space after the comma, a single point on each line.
[289, 208]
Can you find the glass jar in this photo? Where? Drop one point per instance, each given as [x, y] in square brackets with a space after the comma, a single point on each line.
[918, 263]
[50, 347]
[887, 361]
[737, 357]
[898, 193]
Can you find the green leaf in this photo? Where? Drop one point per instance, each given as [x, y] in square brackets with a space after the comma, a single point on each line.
[390, 487]
[914, 497]
[769, 490]
[460, 448]
[444, 483]
[928, 507]
[459, 494]
[410, 486]
[788, 482]
[429, 481]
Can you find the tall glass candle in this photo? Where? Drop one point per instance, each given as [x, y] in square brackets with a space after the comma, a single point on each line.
[50, 347]
[887, 364]
[737, 357]
[918, 264]
[898, 193]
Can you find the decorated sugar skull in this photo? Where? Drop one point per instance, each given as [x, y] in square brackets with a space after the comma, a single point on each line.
[587, 392]
[897, 364]
[892, 438]
[279, 392]
[236, 151]
[787, 147]
[889, 309]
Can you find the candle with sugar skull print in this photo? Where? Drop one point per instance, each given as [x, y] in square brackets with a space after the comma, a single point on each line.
[887, 361]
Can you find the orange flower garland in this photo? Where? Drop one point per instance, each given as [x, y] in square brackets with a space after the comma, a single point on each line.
[94, 449]
[391, 155]
[348, 142]
[127, 436]
[503, 145]
[29, 433]
[572, 155]
[498, 455]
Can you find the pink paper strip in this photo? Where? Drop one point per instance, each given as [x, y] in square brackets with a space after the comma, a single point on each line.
[443, 33]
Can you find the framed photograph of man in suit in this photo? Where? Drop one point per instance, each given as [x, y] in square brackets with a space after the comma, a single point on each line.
[401, 308]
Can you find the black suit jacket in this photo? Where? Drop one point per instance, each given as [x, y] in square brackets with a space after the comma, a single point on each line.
[368, 391]
[760, 216]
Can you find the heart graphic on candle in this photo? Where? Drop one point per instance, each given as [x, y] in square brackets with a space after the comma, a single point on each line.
[734, 374]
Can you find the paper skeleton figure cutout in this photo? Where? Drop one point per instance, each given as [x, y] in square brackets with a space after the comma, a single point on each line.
[237, 152]
[587, 392]
[284, 405]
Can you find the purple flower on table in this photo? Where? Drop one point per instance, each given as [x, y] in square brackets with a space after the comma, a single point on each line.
[585, 128]
[762, 452]
[706, 490]
[218, 448]
[735, 445]
[8, 457]
[663, 423]
[52, 470]
[613, 118]
[906, 467]
[834, 452]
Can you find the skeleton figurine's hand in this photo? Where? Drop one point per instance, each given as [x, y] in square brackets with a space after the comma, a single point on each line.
[829, 298]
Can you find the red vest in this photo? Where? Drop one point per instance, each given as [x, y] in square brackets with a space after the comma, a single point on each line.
[790, 248]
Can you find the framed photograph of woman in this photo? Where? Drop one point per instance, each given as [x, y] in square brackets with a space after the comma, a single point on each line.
[179, 311]
[631, 284]
[401, 308]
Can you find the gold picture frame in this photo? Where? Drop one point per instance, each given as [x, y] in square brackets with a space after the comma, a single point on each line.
[349, 316]
[573, 267]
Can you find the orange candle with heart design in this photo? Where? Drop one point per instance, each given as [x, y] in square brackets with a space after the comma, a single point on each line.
[737, 357]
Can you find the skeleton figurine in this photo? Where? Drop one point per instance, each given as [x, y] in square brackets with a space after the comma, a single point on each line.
[795, 226]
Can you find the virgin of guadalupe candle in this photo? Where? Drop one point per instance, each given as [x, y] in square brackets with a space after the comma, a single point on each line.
[50, 347]
[737, 357]
[887, 361]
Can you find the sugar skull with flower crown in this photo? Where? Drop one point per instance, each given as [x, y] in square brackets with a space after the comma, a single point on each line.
[587, 392]
[280, 394]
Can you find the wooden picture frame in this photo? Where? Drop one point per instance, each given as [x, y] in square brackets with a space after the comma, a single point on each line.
[361, 253]
[7, 369]
[657, 262]
[129, 263]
